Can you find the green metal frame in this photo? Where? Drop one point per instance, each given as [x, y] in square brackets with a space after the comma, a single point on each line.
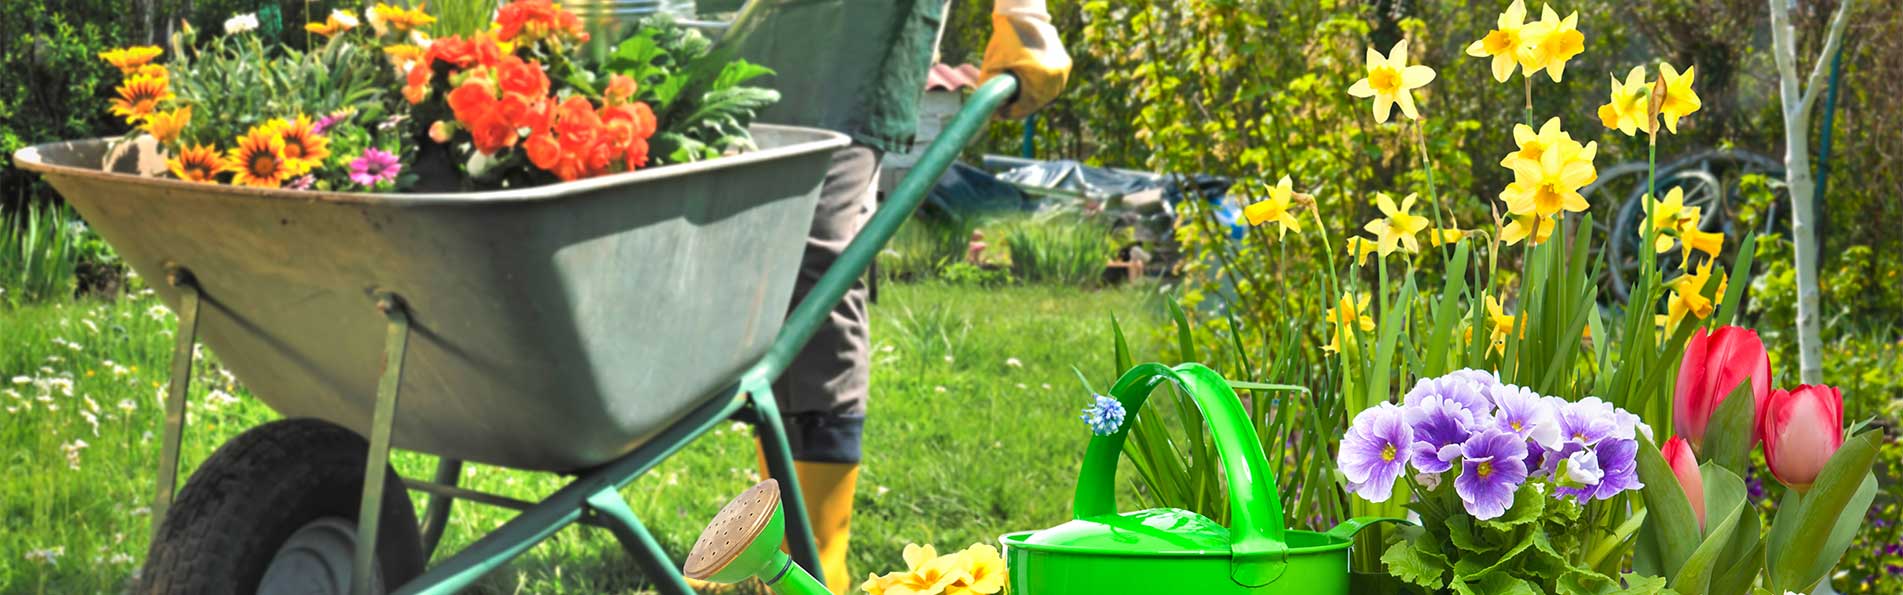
[594, 497]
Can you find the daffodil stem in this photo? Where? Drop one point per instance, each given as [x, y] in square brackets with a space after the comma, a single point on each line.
[1529, 99]
[1433, 195]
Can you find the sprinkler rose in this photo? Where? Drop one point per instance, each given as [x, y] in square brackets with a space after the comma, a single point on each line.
[1716, 364]
[1801, 428]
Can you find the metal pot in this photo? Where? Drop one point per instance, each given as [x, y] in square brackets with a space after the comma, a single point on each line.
[1169, 550]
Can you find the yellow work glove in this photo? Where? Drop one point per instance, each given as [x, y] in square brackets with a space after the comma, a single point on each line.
[1024, 43]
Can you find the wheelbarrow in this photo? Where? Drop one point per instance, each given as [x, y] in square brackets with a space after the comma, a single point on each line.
[589, 328]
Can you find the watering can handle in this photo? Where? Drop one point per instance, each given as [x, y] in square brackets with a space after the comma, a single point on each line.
[1257, 536]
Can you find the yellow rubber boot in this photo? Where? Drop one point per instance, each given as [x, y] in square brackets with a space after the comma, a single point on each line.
[827, 489]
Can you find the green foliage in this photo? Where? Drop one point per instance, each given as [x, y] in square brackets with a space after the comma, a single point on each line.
[1062, 249]
[698, 92]
[48, 50]
[39, 253]
[1874, 562]
[965, 273]
[235, 82]
[923, 246]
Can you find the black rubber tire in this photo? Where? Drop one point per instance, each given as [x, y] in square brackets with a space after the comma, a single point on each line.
[258, 489]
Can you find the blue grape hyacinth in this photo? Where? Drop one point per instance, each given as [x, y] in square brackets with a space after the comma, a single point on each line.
[1104, 415]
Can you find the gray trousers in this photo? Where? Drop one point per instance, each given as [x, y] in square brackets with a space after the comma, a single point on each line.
[823, 393]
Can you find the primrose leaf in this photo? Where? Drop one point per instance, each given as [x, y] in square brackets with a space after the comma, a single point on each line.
[1415, 565]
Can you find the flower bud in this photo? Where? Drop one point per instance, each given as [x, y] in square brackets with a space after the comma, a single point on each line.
[1715, 364]
[441, 131]
[1802, 428]
[1678, 454]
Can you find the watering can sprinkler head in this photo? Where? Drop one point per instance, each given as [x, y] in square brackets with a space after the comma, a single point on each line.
[743, 542]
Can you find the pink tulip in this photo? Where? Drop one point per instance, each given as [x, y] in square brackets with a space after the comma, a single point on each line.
[1802, 428]
[1716, 364]
[1678, 454]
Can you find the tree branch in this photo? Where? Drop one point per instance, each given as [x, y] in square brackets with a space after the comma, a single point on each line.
[1782, 48]
[1832, 41]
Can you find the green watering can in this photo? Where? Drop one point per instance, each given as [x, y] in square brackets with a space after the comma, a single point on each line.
[1168, 550]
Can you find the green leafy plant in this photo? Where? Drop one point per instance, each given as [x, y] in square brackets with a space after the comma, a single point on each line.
[698, 92]
[39, 251]
[1062, 249]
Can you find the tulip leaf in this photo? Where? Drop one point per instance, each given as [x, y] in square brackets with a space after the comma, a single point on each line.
[1743, 555]
[1848, 522]
[1728, 434]
[1724, 505]
[1837, 487]
[1671, 528]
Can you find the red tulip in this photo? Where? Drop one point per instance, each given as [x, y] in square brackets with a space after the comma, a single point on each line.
[1802, 428]
[1716, 364]
[1678, 454]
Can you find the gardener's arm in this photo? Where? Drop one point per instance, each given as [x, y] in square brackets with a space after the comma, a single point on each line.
[1024, 43]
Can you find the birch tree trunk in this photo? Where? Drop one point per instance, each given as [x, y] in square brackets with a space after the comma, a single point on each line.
[1797, 102]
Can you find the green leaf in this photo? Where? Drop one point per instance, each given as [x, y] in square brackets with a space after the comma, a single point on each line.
[1586, 582]
[1527, 507]
[1185, 343]
[1837, 487]
[1725, 502]
[1123, 359]
[737, 72]
[1848, 523]
[1446, 313]
[1636, 584]
[1497, 583]
[1740, 278]
[1419, 566]
[1463, 534]
[1728, 435]
[1671, 530]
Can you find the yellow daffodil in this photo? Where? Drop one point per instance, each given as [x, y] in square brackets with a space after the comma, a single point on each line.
[1680, 100]
[1665, 216]
[1279, 208]
[128, 60]
[1500, 325]
[1534, 145]
[1441, 237]
[1688, 296]
[1519, 227]
[1390, 81]
[1550, 42]
[1359, 248]
[1350, 312]
[1692, 238]
[1504, 42]
[1398, 229]
[166, 126]
[1553, 184]
[1628, 111]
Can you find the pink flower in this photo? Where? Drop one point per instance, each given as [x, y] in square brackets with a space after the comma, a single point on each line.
[1678, 454]
[376, 165]
[1714, 365]
[1802, 428]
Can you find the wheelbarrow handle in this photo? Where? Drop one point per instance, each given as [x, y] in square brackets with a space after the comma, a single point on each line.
[859, 255]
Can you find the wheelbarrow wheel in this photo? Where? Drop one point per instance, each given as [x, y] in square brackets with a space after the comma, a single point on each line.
[275, 510]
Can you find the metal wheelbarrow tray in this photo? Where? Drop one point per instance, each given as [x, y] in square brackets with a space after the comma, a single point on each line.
[553, 328]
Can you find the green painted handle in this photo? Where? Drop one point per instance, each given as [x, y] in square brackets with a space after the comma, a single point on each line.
[898, 207]
[1257, 536]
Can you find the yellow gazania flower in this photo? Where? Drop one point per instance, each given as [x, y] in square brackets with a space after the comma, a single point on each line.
[1390, 81]
[165, 126]
[984, 571]
[197, 163]
[1550, 42]
[1500, 325]
[1503, 43]
[1688, 296]
[1629, 108]
[128, 60]
[154, 71]
[304, 148]
[139, 97]
[1680, 100]
[1359, 248]
[384, 17]
[1519, 227]
[338, 22]
[403, 55]
[258, 160]
[1553, 184]
[1399, 227]
[1347, 312]
[1533, 145]
[1278, 208]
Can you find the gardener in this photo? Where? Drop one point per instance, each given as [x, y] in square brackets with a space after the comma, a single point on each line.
[858, 67]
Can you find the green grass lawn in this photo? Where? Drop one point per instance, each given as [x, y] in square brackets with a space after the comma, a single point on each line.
[973, 432]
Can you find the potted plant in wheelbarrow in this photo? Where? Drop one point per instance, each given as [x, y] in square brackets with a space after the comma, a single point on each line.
[557, 266]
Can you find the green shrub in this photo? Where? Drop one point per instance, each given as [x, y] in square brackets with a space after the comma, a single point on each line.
[965, 273]
[924, 246]
[55, 86]
[1065, 249]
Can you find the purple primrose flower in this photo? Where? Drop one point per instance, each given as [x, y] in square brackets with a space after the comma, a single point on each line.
[1493, 465]
[1605, 470]
[1526, 414]
[1374, 452]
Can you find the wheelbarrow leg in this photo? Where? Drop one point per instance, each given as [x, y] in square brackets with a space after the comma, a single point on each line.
[369, 513]
[436, 516]
[779, 462]
[182, 359]
[641, 544]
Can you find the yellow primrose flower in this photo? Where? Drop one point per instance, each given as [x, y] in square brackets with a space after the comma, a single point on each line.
[1534, 145]
[878, 585]
[1519, 227]
[1628, 110]
[1553, 184]
[1390, 81]
[1550, 42]
[1399, 227]
[1359, 248]
[1504, 42]
[1680, 100]
[1688, 296]
[1348, 311]
[1277, 208]
[984, 570]
[930, 573]
[128, 60]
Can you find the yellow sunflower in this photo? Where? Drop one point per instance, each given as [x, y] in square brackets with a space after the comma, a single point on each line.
[259, 159]
[198, 163]
[139, 97]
